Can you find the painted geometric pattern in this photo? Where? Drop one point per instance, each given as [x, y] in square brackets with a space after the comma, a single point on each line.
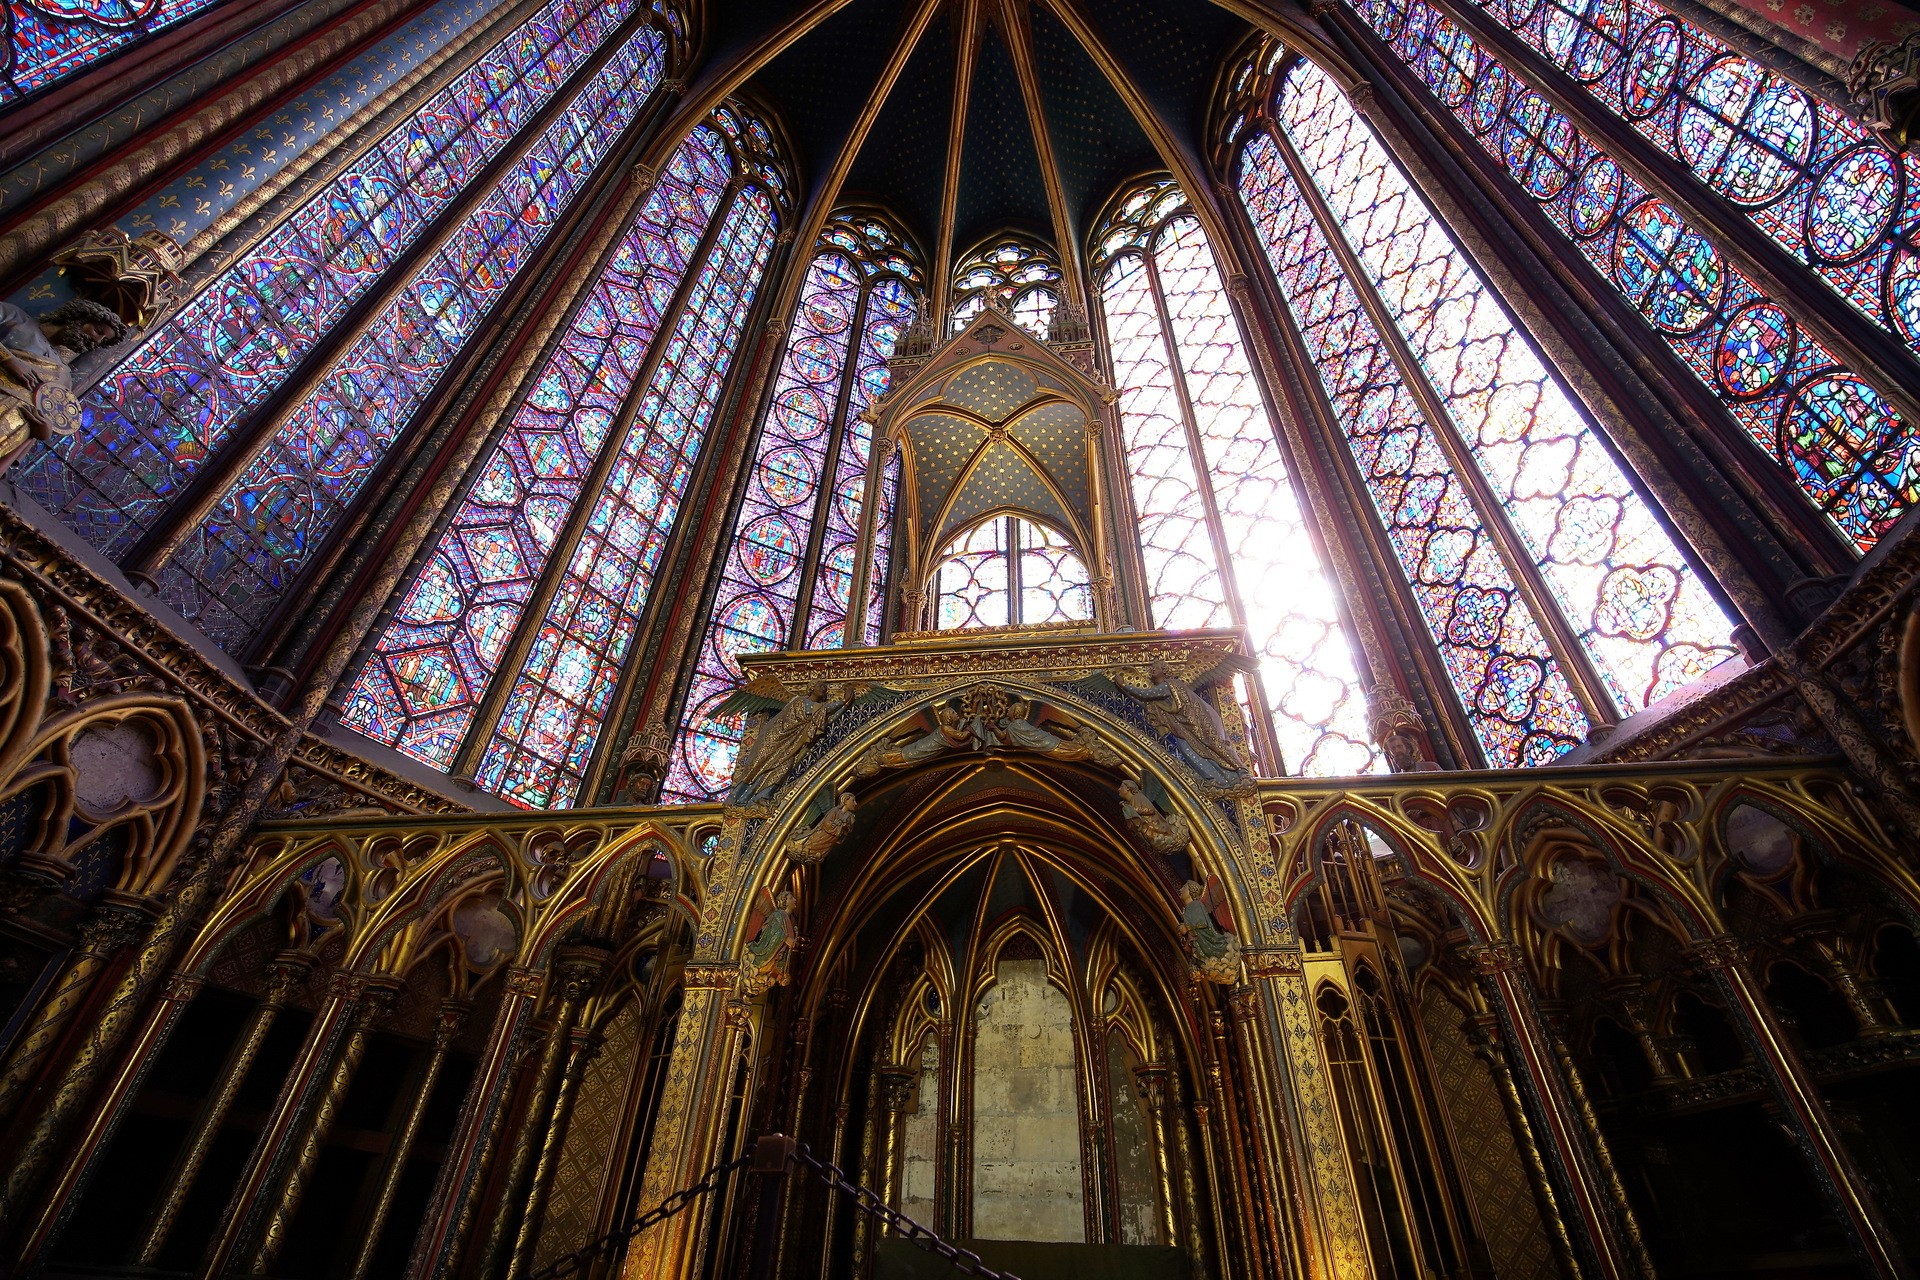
[1805, 175]
[49, 40]
[559, 700]
[760, 585]
[1632, 599]
[593, 1140]
[241, 560]
[156, 419]
[431, 667]
[1813, 178]
[1511, 685]
[1509, 1219]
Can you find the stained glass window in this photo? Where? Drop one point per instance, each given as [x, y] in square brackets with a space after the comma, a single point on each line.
[157, 418]
[423, 688]
[1512, 687]
[559, 699]
[239, 562]
[49, 40]
[1622, 590]
[1010, 572]
[1804, 173]
[777, 590]
[1220, 525]
[1014, 274]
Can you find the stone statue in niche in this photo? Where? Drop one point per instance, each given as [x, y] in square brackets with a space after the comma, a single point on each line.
[1177, 712]
[812, 846]
[1163, 833]
[1211, 946]
[778, 742]
[771, 939]
[36, 369]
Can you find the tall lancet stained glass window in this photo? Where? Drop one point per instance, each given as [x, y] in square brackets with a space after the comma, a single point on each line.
[1222, 534]
[173, 461]
[1498, 496]
[1805, 174]
[507, 649]
[789, 576]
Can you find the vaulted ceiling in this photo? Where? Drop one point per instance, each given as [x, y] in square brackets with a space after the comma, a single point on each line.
[1168, 51]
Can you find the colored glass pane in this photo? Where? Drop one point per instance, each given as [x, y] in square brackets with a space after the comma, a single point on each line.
[430, 668]
[155, 420]
[1191, 416]
[558, 701]
[49, 40]
[973, 579]
[1862, 471]
[812, 425]
[1018, 276]
[1810, 176]
[1632, 600]
[760, 584]
[239, 562]
[1509, 682]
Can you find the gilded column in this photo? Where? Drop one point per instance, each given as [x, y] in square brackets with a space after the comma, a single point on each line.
[436, 1250]
[1152, 1083]
[1270, 1126]
[1602, 1150]
[1804, 1109]
[895, 1084]
[453, 1016]
[330, 1027]
[582, 1049]
[577, 970]
[375, 1000]
[691, 1110]
[83, 1154]
[114, 926]
[1592, 1204]
[284, 976]
[839, 1150]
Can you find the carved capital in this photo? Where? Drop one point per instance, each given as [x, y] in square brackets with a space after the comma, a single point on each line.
[525, 982]
[1490, 958]
[1361, 96]
[578, 969]
[709, 977]
[135, 277]
[1278, 962]
[644, 176]
[1245, 1002]
[1884, 82]
[182, 987]
[1721, 952]
[450, 1020]
[113, 928]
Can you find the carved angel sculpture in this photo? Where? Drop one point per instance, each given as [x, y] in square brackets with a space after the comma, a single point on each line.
[1176, 711]
[1163, 833]
[950, 733]
[1083, 743]
[780, 742]
[1210, 942]
[763, 966]
[810, 848]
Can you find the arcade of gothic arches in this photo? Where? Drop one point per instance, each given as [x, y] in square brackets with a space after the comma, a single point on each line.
[901, 638]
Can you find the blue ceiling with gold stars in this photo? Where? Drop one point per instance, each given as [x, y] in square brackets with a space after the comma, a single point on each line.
[1169, 50]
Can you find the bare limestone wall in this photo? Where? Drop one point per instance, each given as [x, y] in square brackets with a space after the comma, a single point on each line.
[1026, 1115]
[919, 1139]
[1133, 1168]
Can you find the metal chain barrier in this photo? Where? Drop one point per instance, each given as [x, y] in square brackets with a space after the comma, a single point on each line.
[871, 1205]
[771, 1157]
[579, 1259]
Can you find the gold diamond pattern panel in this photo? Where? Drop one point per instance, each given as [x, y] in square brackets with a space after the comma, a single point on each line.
[1508, 1218]
[592, 1139]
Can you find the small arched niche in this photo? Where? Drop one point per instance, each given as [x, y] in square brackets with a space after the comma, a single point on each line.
[1009, 571]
